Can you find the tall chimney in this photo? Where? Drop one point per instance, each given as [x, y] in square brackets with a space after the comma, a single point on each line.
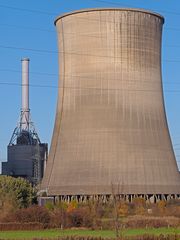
[25, 95]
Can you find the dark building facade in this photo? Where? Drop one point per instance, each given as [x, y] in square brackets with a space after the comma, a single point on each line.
[27, 161]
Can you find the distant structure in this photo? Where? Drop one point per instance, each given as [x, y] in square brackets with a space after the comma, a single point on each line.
[26, 155]
[111, 133]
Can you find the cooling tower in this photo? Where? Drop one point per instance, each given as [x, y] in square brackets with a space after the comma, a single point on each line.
[110, 131]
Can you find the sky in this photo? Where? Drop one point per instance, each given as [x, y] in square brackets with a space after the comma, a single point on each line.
[27, 30]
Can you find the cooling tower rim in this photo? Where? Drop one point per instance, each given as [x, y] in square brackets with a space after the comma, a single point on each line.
[109, 9]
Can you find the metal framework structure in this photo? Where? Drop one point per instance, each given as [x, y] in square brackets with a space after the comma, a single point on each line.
[24, 136]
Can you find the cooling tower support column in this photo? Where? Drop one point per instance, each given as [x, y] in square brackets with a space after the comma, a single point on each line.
[110, 134]
[25, 95]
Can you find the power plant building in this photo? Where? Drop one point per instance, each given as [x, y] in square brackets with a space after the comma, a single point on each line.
[110, 131]
[26, 155]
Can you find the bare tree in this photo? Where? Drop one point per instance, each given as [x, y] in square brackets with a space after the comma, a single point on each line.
[115, 199]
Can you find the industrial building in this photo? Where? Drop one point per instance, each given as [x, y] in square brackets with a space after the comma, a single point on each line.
[26, 155]
[110, 133]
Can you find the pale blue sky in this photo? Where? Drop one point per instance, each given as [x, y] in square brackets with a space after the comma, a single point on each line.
[27, 28]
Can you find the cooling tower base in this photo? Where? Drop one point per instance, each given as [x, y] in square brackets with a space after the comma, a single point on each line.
[151, 198]
[70, 190]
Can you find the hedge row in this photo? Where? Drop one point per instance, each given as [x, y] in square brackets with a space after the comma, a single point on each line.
[143, 237]
[39, 217]
[21, 226]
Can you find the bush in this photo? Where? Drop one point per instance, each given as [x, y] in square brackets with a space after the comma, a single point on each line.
[140, 210]
[49, 205]
[139, 202]
[123, 209]
[30, 215]
[58, 219]
[71, 206]
[173, 211]
[161, 207]
[18, 191]
[79, 217]
[151, 222]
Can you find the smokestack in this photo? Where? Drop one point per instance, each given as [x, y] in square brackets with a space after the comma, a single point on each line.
[25, 94]
[26, 154]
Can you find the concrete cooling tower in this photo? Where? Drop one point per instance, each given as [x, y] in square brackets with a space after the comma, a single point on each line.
[110, 131]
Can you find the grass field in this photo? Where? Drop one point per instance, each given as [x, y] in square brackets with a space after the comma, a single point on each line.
[103, 233]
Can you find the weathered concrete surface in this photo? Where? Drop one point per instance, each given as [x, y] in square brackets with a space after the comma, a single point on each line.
[110, 127]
